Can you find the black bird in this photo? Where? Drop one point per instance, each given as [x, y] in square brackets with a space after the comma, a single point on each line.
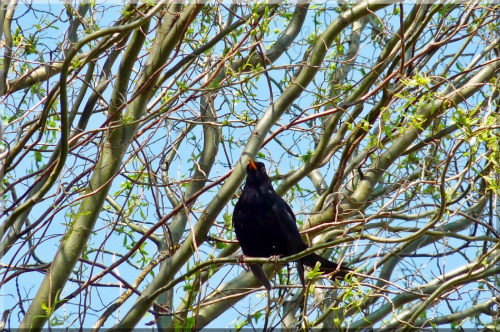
[265, 226]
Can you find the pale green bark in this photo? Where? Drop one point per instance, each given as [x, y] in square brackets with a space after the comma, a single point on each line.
[110, 160]
[273, 113]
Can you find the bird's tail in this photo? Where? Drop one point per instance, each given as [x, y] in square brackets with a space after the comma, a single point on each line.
[260, 275]
[326, 265]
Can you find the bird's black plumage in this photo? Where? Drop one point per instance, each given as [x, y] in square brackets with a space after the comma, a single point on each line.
[265, 226]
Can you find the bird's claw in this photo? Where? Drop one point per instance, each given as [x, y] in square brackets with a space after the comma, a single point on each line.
[242, 262]
[274, 259]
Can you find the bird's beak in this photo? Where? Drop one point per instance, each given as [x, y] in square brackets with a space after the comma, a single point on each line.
[252, 164]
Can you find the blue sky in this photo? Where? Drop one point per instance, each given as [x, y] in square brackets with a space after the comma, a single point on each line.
[273, 154]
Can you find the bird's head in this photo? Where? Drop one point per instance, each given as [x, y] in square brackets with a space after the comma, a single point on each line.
[256, 173]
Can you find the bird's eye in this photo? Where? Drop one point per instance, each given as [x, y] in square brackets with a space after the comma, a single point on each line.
[262, 168]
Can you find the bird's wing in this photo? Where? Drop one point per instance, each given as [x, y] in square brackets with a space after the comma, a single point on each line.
[287, 226]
